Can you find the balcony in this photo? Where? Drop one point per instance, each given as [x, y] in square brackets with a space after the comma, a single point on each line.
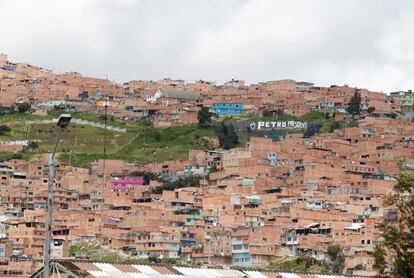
[292, 241]
[188, 235]
[238, 247]
[187, 243]
[236, 242]
[254, 200]
[241, 251]
[242, 260]
[190, 213]
[190, 222]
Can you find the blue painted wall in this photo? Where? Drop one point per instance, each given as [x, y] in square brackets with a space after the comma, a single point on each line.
[242, 259]
[227, 108]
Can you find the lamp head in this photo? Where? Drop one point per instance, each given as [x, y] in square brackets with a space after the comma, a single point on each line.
[64, 120]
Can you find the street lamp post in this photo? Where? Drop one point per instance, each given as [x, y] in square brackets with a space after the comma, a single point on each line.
[63, 122]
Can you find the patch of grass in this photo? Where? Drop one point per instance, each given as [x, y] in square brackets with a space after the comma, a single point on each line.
[11, 117]
[5, 156]
[82, 139]
[259, 118]
[173, 143]
[93, 117]
[313, 116]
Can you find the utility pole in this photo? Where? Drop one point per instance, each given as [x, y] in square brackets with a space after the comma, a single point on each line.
[104, 170]
[208, 252]
[62, 123]
[27, 132]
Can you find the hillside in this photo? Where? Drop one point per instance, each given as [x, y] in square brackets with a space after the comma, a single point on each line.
[80, 145]
[141, 143]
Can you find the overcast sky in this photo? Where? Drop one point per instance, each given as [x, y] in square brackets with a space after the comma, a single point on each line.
[368, 44]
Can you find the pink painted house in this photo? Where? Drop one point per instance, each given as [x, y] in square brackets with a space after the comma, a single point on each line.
[125, 183]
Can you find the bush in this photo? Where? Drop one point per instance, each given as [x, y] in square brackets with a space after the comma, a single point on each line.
[157, 136]
[4, 129]
[60, 107]
[189, 181]
[335, 125]
[23, 107]
[312, 130]
[312, 116]
[33, 145]
[359, 267]
[227, 136]
[147, 176]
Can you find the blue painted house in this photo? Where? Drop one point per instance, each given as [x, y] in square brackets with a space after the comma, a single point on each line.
[241, 253]
[84, 96]
[188, 239]
[129, 108]
[227, 108]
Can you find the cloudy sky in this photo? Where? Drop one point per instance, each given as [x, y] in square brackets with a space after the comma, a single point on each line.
[366, 43]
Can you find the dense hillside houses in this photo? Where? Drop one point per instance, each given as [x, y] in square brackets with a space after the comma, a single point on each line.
[173, 102]
[247, 206]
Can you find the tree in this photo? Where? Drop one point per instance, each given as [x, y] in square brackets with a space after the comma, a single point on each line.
[33, 145]
[335, 125]
[312, 130]
[380, 263]
[370, 110]
[204, 117]
[23, 107]
[227, 136]
[148, 176]
[186, 181]
[394, 254]
[359, 267]
[4, 129]
[337, 259]
[354, 107]
[60, 107]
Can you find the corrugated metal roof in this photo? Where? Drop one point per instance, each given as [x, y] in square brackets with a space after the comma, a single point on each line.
[255, 274]
[180, 94]
[120, 270]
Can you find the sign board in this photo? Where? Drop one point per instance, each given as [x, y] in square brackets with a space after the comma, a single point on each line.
[260, 125]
